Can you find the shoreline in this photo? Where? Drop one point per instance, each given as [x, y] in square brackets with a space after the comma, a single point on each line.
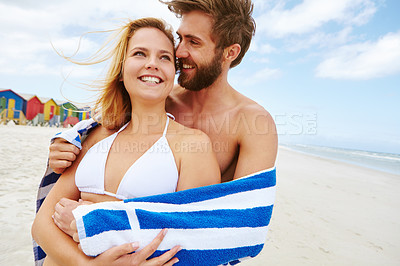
[343, 160]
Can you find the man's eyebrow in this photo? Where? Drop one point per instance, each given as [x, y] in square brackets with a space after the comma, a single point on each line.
[189, 36]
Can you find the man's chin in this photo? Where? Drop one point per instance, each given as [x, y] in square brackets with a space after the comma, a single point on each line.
[189, 87]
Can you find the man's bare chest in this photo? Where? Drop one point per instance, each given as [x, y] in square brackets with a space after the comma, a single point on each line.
[220, 128]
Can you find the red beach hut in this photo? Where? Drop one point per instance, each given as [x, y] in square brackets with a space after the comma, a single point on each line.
[33, 107]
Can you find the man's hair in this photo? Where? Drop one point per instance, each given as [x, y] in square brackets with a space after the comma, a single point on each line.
[232, 20]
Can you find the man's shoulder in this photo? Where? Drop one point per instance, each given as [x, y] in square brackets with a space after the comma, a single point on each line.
[253, 119]
[251, 109]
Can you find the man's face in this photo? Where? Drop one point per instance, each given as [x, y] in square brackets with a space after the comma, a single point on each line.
[199, 61]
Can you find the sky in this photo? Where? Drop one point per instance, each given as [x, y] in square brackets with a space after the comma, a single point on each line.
[327, 71]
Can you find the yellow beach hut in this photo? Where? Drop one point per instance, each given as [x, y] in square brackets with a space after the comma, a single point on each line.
[50, 108]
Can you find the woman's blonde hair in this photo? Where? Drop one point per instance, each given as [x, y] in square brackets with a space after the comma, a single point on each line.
[114, 103]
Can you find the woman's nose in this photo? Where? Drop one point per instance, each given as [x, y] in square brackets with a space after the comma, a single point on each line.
[151, 63]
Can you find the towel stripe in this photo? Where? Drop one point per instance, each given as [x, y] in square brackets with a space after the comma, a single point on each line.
[212, 257]
[105, 220]
[204, 219]
[261, 180]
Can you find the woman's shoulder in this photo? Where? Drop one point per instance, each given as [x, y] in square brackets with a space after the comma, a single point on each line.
[186, 140]
[182, 133]
[97, 134]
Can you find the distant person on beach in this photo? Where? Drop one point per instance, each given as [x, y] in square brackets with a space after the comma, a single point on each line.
[132, 106]
[214, 36]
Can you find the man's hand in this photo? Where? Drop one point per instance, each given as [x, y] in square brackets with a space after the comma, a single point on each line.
[62, 154]
[121, 255]
[63, 214]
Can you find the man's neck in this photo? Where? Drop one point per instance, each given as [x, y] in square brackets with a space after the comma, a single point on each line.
[211, 98]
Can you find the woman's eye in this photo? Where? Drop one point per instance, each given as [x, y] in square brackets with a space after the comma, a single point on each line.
[138, 53]
[166, 57]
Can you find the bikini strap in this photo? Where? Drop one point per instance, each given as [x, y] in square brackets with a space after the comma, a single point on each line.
[171, 116]
[123, 127]
[166, 127]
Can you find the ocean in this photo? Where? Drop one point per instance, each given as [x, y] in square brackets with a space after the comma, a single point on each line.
[386, 162]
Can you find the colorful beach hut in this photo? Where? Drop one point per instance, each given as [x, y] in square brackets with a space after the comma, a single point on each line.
[14, 104]
[50, 109]
[33, 106]
[3, 104]
[68, 110]
[84, 113]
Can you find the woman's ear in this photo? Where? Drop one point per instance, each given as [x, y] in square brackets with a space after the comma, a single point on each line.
[232, 52]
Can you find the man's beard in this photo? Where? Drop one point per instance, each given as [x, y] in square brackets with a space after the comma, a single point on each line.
[204, 76]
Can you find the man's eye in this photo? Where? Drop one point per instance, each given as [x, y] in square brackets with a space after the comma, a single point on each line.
[194, 42]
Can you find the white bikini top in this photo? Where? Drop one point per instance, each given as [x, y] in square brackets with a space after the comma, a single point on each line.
[153, 173]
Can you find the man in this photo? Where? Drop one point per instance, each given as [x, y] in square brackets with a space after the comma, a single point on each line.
[214, 36]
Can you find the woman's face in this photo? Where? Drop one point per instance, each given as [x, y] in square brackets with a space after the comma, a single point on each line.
[149, 67]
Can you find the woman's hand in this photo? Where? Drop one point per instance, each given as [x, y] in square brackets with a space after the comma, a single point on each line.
[122, 255]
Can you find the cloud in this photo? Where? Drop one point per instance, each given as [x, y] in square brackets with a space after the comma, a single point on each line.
[320, 40]
[363, 61]
[29, 29]
[262, 48]
[311, 15]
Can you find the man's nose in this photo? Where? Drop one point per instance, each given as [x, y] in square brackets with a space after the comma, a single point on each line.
[181, 51]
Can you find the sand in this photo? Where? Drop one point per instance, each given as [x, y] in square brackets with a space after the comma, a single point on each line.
[326, 212]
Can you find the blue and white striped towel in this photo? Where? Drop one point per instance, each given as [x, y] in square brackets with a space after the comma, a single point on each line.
[215, 225]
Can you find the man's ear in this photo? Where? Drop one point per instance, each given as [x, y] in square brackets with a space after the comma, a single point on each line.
[232, 52]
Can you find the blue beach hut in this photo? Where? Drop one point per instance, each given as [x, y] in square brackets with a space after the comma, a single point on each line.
[14, 104]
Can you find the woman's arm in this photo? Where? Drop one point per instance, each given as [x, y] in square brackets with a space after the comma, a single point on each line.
[198, 163]
[62, 249]
[58, 245]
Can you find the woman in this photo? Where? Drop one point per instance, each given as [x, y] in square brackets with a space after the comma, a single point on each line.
[138, 150]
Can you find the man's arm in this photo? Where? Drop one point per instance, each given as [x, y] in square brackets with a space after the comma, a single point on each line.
[66, 145]
[258, 142]
[61, 155]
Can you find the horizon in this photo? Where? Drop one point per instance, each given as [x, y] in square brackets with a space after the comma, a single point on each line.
[328, 72]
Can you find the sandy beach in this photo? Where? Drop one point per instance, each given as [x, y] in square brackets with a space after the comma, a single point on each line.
[326, 212]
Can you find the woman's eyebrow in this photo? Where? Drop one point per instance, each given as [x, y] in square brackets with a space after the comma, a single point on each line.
[139, 48]
[162, 51]
[165, 52]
